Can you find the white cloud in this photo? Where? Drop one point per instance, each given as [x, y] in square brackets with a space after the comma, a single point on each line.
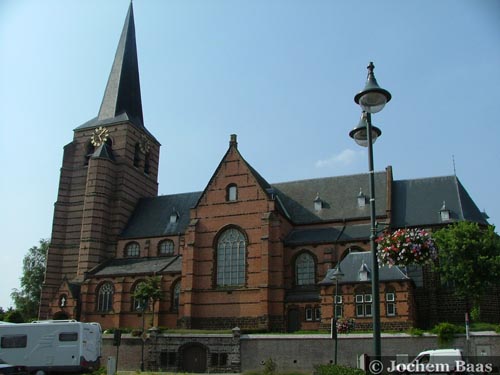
[345, 158]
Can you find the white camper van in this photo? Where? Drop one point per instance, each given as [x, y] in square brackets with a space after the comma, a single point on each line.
[52, 345]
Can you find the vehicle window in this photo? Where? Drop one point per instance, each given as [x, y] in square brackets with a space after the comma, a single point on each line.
[68, 336]
[14, 341]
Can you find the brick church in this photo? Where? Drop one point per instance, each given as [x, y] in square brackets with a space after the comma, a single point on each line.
[243, 252]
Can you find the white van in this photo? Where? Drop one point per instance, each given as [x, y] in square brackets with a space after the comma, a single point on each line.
[438, 361]
[52, 345]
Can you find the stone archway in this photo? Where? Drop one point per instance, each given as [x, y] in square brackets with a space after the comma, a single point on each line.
[194, 358]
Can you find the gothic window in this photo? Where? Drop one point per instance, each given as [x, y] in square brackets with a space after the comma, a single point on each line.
[147, 165]
[132, 250]
[231, 258]
[166, 247]
[137, 155]
[137, 304]
[231, 193]
[105, 297]
[176, 292]
[89, 152]
[305, 270]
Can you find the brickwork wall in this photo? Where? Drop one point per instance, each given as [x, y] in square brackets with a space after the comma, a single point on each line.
[289, 352]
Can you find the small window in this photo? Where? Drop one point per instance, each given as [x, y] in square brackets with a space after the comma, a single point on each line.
[317, 314]
[68, 336]
[218, 359]
[166, 247]
[176, 295]
[232, 193]
[363, 305]
[390, 300]
[14, 341]
[309, 314]
[338, 307]
[132, 250]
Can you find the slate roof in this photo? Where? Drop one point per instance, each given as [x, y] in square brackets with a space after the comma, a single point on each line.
[417, 202]
[151, 217]
[338, 195]
[135, 266]
[122, 97]
[316, 236]
[353, 262]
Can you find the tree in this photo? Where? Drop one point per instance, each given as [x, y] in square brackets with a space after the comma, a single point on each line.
[27, 300]
[149, 292]
[469, 258]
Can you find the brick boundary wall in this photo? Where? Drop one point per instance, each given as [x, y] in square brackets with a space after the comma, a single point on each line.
[289, 352]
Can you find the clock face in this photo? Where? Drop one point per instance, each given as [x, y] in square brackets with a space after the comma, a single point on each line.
[144, 144]
[99, 136]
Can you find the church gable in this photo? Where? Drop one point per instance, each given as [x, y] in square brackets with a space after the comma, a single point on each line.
[234, 189]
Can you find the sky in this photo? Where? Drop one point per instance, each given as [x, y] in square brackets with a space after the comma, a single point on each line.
[281, 74]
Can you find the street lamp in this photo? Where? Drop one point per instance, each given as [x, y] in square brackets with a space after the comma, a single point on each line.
[372, 100]
[337, 275]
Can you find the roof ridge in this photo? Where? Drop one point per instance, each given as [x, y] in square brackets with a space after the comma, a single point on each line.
[426, 178]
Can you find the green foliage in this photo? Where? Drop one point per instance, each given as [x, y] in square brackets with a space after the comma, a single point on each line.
[14, 316]
[415, 332]
[27, 300]
[336, 370]
[469, 257]
[99, 371]
[446, 332]
[149, 290]
[269, 367]
[475, 313]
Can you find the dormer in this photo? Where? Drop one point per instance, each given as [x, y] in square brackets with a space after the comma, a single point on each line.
[364, 272]
[318, 203]
[444, 213]
[361, 199]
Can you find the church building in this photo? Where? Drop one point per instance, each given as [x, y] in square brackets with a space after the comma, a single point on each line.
[243, 252]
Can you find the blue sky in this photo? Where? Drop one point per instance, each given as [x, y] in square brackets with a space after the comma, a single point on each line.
[281, 74]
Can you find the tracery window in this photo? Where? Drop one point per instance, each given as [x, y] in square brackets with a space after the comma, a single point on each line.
[105, 297]
[305, 270]
[231, 258]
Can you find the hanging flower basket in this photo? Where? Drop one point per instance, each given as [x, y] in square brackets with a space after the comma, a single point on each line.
[406, 246]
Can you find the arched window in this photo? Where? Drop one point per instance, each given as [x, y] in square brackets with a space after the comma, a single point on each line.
[132, 250]
[231, 258]
[89, 152]
[231, 193]
[166, 247]
[137, 155]
[176, 292]
[147, 165]
[137, 304]
[305, 270]
[105, 297]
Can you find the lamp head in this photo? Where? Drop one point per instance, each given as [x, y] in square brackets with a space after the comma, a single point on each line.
[360, 132]
[373, 98]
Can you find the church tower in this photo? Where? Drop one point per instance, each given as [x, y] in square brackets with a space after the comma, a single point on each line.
[111, 163]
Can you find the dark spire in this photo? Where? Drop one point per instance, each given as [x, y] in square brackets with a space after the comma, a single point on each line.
[122, 97]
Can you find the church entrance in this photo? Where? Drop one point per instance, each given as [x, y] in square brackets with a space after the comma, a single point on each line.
[293, 320]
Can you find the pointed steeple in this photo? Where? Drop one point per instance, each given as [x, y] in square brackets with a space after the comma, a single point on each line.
[122, 98]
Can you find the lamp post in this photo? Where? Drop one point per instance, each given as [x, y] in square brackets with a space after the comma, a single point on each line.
[143, 307]
[372, 100]
[337, 275]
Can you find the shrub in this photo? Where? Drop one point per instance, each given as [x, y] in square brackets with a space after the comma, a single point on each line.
[269, 367]
[415, 331]
[445, 332]
[336, 370]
